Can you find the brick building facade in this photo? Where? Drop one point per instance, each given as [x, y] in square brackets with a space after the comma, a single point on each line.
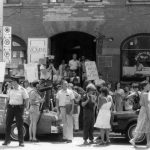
[93, 29]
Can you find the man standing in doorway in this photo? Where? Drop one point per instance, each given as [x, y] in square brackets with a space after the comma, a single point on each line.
[65, 107]
[74, 63]
[15, 108]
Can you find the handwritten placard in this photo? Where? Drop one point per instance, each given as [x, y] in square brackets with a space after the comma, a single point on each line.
[91, 70]
[31, 72]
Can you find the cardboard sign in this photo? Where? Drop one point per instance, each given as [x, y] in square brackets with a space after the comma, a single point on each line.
[37, 48]
[2, 69]
[31, 72]
[91, 70]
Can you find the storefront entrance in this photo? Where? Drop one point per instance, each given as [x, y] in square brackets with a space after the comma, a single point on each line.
[63, 45]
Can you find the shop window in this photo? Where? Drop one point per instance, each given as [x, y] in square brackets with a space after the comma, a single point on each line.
[135, 58]
[56, 1]
[138, 1]
[93, 0]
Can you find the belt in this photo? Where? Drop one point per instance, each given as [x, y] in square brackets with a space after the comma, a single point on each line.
[15, 105]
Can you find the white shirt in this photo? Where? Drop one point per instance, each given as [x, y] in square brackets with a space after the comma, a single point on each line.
[16, 96]
[65, 97]
[74, 64]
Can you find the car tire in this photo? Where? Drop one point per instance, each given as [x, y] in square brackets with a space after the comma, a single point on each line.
[130, 134]
[14, 132]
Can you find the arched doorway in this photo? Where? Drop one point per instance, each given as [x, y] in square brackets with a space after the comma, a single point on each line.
[63, 45]
[135, 57]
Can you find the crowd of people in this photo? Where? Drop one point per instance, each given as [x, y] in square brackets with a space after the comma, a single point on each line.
[70, 96]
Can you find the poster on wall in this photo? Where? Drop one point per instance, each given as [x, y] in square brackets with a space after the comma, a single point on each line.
[31, 72]
[135, 64]
[37, 49]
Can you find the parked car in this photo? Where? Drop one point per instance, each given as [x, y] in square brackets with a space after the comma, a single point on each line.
[49, 122]
[125, 122]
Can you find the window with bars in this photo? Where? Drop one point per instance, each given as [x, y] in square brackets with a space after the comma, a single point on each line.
[56, 1]
[93, 0]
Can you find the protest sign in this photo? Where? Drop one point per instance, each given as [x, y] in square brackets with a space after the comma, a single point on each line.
[2, 69]
[31, 72]
[91, 70]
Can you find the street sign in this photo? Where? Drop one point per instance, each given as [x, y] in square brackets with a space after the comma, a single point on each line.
[7, 44]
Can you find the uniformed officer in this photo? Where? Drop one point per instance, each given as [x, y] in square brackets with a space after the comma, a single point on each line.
[15, 108]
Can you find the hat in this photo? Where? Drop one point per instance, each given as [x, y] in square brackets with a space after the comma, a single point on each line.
[14, 78]
[91, 86]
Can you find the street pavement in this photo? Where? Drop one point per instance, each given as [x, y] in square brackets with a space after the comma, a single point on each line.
[118, 142]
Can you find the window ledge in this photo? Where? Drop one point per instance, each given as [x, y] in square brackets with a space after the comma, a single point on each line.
[137, 3]
[13, 5]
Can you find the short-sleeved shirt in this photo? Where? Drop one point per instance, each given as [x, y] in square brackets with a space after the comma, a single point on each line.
[17, 96]
[74, 64]
[65, 96]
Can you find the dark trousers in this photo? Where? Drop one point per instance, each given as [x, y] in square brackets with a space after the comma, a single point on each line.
[17, 112]
[88, 124]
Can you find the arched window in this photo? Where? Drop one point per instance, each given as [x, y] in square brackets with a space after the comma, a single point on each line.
[135, 57]
[18, 57]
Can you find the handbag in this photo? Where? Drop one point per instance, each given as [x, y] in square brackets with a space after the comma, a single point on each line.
[68, 108]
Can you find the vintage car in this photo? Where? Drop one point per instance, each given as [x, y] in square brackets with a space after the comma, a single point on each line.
[124, 122]
[49, 123]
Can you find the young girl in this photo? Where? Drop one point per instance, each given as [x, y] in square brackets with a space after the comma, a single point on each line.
[104, 115]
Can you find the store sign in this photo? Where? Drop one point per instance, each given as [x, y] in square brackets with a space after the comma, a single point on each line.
[7, 44]
[37, 49]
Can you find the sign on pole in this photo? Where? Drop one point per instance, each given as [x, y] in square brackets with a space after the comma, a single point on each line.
[7, 44]
[37, 49]
[1, 28]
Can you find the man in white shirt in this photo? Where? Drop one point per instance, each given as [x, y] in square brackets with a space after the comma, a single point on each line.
[74, 63]
[65, 97]
[15, 108]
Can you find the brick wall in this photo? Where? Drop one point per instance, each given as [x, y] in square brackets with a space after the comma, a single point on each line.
[112, 18]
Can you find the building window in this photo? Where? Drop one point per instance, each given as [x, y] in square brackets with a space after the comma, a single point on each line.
[135, 58]
[138, 1]
[12, 1]
[56, 1]
[93, 0]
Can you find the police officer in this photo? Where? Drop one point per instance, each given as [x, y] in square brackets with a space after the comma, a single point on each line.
[15, 108]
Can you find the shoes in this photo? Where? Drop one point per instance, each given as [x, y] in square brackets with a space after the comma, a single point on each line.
[85, 142]
[91, 142]
[69, 141]
[36, 140]
[132, 142]
[6, 143]
[21, 144]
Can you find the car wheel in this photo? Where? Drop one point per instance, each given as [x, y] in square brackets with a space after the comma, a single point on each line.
[14, 132]
[130, 134]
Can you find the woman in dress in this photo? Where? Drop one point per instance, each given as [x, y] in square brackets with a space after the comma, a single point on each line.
[104, 115]
[143, 123]
[34, 103]
[118, 97]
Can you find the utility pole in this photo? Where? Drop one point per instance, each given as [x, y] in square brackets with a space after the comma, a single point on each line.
[1, 30]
